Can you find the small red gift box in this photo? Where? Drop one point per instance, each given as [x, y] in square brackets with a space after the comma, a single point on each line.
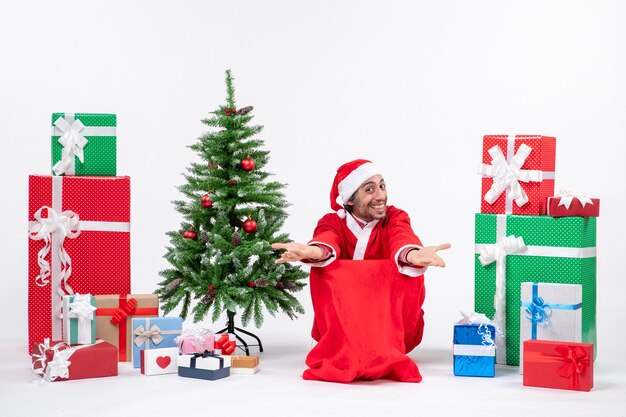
[555, 364]
[57, 361]
[518, 174]
[79, 241]
[568, 205]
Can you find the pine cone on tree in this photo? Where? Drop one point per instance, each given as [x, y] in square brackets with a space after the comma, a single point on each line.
[261, 282]
[209, 297]
[245, 110]
[205, 237]
[236, 238]
[289, 285]
[173, 285]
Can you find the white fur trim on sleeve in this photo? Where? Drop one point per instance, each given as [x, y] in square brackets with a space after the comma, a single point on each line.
[411, 271]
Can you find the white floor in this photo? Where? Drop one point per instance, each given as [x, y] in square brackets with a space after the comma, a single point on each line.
[278, 390]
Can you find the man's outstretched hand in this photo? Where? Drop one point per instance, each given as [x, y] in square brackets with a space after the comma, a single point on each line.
[297, 251]
[427, 256]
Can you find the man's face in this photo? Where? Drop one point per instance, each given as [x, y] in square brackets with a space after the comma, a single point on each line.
[370, 202]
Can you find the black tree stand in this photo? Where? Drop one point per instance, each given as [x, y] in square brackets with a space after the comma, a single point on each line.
[230, 328]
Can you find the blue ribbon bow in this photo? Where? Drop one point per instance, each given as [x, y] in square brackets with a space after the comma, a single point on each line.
[538, 311]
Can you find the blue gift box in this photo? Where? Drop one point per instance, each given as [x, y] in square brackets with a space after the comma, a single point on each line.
[207, 365]
[474, 350]
[154, 333]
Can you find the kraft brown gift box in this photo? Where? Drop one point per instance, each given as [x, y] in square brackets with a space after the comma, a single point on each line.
[114, 316]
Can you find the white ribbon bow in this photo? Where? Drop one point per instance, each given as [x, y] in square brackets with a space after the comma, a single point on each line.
[58, 367]
[73, 143]
[63, 225]
[153, 334]
[508, 175]
[567, 196]
[81, 308]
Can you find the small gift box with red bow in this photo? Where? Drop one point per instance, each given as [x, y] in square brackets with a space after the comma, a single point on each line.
[562, 365]
[207, 365]
[114, 318]
[154, 333]
[79, 319]
[225, 344]
[571, 203]
[159, 361]
[195, 341]
[58, 361]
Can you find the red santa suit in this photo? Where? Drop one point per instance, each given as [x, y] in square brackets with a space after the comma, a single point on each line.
[367, 301]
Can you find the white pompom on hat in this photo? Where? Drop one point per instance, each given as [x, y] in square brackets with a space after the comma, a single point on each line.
[348, 179]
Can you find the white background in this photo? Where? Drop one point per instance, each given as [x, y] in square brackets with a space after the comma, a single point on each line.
[412, 85]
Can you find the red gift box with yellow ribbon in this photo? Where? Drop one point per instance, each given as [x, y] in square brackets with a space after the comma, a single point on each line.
[79, 229]
[114, 316]
[556, 364]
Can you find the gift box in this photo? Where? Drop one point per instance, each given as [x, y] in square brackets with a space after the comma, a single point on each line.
[79, 324]
[195, 341]
[84, 144]
[225, 343]
[518, 174]
[550, 312]
[244, 365]
[79, 243]
[474, 350]
[557, 364]
[515, 249]
[159, 361]
[154, 333]
[57, 361]
[207, 365]
[571, 204]
[114, 318]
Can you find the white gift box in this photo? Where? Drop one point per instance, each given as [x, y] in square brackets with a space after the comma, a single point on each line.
[550, 312]
[159, 361]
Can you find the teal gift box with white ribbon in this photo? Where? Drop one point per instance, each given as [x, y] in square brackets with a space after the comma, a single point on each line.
[84, 144]
[550, 312]
[154, 333]
[79, 319]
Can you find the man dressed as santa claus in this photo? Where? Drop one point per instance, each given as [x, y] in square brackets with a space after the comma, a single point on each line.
[365, 228]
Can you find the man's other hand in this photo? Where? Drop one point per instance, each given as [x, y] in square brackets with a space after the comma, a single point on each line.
[296, 252]
[427, 256]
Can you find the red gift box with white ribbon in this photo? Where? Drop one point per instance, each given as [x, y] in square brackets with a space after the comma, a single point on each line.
[572, 203]
[518, 174]
[79, 242]
[558, 364]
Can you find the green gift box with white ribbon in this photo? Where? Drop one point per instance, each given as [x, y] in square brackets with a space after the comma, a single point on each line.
[79, 319]
[84, 144]
[512, 249]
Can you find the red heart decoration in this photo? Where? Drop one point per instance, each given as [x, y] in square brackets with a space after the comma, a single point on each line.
[163, 361]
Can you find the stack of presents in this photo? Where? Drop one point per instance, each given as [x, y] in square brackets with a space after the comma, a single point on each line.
[82, 317]
[535, 271]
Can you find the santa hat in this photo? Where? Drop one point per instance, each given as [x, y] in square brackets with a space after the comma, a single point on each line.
[349, 178]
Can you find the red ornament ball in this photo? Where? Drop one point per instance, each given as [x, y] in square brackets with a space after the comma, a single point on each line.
[206, 201]
[190, 234]
[227, 111]
[211, 287]
[234, 111]
[249, 225]
[232, 182]
[247, 164]
[251, 284]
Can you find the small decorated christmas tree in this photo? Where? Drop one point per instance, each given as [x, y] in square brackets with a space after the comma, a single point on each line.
[222, 259]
